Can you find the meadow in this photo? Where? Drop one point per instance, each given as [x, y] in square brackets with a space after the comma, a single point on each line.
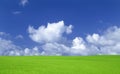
[60, 64]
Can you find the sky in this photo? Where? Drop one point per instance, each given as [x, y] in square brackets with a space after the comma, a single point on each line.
[59, 27]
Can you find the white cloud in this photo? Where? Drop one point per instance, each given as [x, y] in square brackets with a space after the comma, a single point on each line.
[93, 38]
[16, 12]
[99, 40]
[27, 51]
[33, 51]
[69, 29]
[4, 34]
[78, 43]
[55, 49]
[23, 2]
[8, 48]
[108, 43]
[52, 42]
[19, 37]
[52, 33]
[78, 46]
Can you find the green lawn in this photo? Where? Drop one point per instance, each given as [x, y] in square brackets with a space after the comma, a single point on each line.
[59, 64]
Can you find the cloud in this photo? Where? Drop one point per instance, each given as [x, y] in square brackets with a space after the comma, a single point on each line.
[69, 29]
[52, 41]
[3, 34]
[55, 49]
[19, 37]
[16, 12]
[78, 46]
[32, 51]
[108, 43]
[24, 2]
[52, 33]
[8, 48]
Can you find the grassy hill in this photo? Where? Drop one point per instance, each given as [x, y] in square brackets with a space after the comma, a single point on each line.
[59, 64]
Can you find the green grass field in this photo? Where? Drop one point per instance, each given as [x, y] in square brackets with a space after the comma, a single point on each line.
[59, 64]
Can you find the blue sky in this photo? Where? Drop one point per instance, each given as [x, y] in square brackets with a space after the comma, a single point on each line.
[20, 21]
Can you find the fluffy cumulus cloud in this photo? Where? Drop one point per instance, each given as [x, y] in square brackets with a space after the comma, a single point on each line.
[55, 49]
[108, 43]
[52, 40]
[78, 46]
[33, 51]
[8, 48]
[52, 33]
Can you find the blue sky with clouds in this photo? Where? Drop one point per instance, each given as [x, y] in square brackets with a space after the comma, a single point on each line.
[59, 27]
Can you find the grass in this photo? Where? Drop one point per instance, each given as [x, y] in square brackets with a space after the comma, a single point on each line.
[59, 64]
